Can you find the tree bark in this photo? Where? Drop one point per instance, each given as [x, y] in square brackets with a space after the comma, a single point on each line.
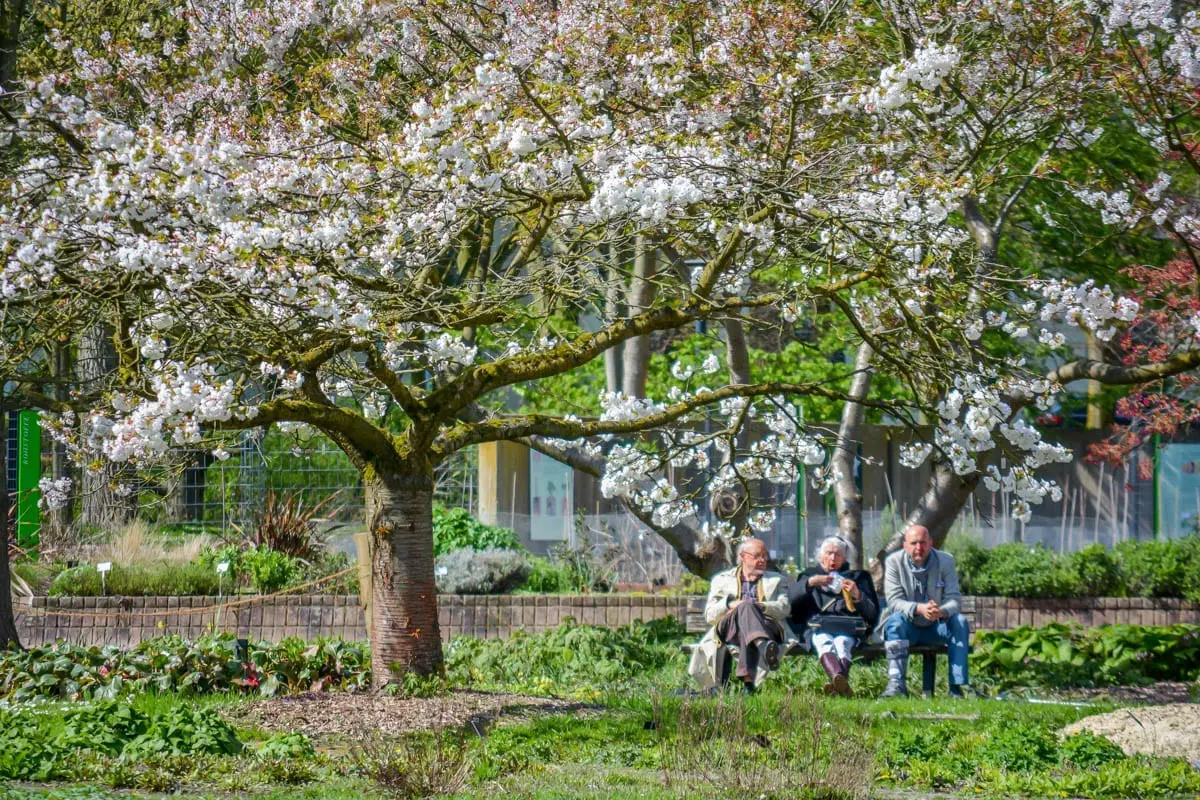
[1095, 389]
[641, 295]
[404, 618]
[12, 15]
[846, 490]
[613, 310]
[737, 356]
[945, 496]
[703, 555]
[102, 506]
[8, 622]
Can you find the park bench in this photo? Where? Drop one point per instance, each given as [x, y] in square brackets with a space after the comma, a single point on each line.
[928, 652]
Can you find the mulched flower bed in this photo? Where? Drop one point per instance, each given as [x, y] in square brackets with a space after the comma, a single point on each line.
[342, 714]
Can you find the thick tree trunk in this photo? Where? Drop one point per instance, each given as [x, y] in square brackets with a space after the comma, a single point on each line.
[404, 618]
[945, 496]
[8, 623]
[641, 295]
[702, 555]
[846, 490]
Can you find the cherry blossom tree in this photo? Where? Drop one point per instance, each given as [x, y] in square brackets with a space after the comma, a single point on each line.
[377, 219]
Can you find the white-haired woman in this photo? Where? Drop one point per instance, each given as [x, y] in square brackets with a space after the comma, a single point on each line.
[835, 607]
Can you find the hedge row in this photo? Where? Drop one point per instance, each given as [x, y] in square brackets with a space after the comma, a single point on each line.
[1131, 569]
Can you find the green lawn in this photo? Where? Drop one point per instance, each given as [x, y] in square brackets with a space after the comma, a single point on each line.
[636, 738]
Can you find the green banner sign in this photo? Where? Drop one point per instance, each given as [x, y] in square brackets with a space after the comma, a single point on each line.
[29, 473]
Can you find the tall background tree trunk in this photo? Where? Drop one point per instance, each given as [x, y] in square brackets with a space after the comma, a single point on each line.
[846, 490]
[102, 506]
[641, 295]
[404, 618]
[1095, 389]
[8, 623]
[613, 308]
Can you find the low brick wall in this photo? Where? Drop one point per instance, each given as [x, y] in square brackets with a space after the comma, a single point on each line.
[1006, 613]
[127, 621]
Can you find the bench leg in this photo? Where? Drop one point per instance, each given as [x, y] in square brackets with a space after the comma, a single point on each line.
[726, 668]
[928, 672]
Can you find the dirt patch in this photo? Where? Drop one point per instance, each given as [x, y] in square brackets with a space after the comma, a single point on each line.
[1168, 730]
[339, 714]
[1155, 694]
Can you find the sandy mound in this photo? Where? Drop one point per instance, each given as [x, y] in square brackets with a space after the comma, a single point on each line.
[1170, 730]
[341, 714]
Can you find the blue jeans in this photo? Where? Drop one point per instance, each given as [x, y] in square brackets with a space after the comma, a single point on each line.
[954, 632]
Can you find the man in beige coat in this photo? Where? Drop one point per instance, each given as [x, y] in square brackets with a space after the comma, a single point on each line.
[747, 607]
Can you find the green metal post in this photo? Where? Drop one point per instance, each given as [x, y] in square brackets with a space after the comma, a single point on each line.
[29, 473]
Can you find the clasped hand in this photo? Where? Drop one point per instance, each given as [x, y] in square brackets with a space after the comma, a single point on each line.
[930, 611]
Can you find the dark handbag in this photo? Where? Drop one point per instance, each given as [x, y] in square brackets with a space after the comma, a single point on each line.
[839, 625]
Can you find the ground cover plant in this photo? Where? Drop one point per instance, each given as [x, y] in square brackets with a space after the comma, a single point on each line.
[171, 664]
[635, 736]
[1059, 655]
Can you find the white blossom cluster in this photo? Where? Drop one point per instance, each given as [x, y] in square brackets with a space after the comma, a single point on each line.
[1094, 308]
[971, 417]
[927, 68]
[185, 400]
[54, 493]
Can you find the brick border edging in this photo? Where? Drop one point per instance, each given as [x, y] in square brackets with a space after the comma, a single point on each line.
[128, 621]
[108, 620]
[1006, 613]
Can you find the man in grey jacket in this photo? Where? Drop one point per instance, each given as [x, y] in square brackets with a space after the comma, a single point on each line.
[921, 586]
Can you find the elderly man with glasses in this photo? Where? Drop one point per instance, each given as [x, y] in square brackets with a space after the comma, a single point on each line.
[747, 607]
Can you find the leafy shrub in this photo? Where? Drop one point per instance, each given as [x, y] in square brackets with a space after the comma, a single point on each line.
[184, 730]
[591, 567]
[286, 745]
[1086, 750]
[972, 563]
[491, 571]
[230, 554]
[1160, 568]
[569, 654]
[285, 526]
[1098, 572]
[455, 528]
[1063, 656]
[1022, 747]
[691, 583]
[170, 664]
[269, 570]
[549, 577]
[186, 579]
[330, 564]
[106, 726]
[1141, 569]
[1014, 570]
[26, 751]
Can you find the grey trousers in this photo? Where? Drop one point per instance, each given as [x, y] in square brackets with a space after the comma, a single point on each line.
[744, 627]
